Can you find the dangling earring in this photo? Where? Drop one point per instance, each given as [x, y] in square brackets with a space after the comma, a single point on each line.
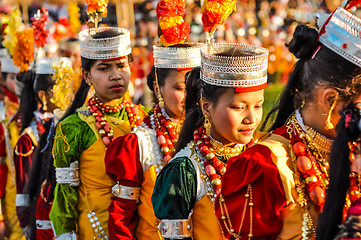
[328, 122]
[207, 125]
[160, 101]
[45, 107]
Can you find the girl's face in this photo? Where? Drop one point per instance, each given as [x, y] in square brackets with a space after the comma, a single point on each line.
[235, 116]
[110, 79]
[173, 93]
[10, 82]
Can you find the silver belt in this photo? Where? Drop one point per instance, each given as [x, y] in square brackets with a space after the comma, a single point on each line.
[68, 175]
[43, 224]
[174, 229]
[66, 236]
[131, 193]
[22, 200]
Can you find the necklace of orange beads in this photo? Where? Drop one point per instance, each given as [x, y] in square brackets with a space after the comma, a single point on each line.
[97, 109]
[214, 168]
[166, 135]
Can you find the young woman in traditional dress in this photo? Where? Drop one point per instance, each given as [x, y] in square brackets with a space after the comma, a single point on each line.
[135, 160]
[36, 108]
[11, 126]
[343, 194]
[223, 109]
[83, 191]
[276, 189]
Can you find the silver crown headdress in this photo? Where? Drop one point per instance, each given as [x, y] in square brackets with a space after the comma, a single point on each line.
[246, 71]
[177, 57]
[44, 66]
[104, 48]
[340, 32]
[8, 66]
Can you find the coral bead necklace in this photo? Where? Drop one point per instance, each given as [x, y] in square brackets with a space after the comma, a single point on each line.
[97, 109]
[166, 135]
[310, 168]
[214, 168]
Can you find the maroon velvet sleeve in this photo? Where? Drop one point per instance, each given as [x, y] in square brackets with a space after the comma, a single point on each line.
[123, 166]
[3, 166]
[22, 163]
[3, 177]
[254, 166]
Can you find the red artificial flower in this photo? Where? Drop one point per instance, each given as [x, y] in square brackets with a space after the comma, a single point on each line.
[170, 9]
[176, 34]
[210, 20]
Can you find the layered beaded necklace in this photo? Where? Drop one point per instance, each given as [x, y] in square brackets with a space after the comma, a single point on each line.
[166, 135]
[214, 168]
[97, 109]
[310, 168]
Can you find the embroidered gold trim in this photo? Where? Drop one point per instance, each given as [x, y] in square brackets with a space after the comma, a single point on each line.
[27, 154]
[62, 136]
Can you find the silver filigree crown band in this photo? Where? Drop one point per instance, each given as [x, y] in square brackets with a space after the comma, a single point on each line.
[8, 66]
[341, 34]
[44, 66]
[248, 68]
[104, 48]
[177, 57]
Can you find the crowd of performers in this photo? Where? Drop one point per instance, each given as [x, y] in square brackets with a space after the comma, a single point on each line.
[79, 160]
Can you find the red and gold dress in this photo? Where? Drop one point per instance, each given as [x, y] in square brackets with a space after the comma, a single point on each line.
[273, 191]
[133, 162]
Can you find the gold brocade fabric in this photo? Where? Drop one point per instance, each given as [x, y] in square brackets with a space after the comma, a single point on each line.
[95, 188]
[205, 222]
[147, 226]
[12, 227]
[292, 213]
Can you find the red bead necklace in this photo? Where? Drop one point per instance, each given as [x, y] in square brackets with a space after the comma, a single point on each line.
[97, 109]
[214, 168]
[166, 134]
[311, 165]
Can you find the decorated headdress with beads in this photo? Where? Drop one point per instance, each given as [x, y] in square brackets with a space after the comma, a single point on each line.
[181, 58]
[104, 48]
[241, 66]
[173, 32]
[340, 31]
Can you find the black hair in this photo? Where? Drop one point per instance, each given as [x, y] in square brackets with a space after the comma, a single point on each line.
[42, 82]
[314, 69]
[86, 64]
[162, 74]
[347, 131]
[28, 99]
[195, 88]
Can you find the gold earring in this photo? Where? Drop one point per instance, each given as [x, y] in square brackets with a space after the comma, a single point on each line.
[328, 122]
[160, 101]
[45, 107]
[207, 125]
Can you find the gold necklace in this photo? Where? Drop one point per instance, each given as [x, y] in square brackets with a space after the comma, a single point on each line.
[227, 220]
[322, 142]
[224, 151]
